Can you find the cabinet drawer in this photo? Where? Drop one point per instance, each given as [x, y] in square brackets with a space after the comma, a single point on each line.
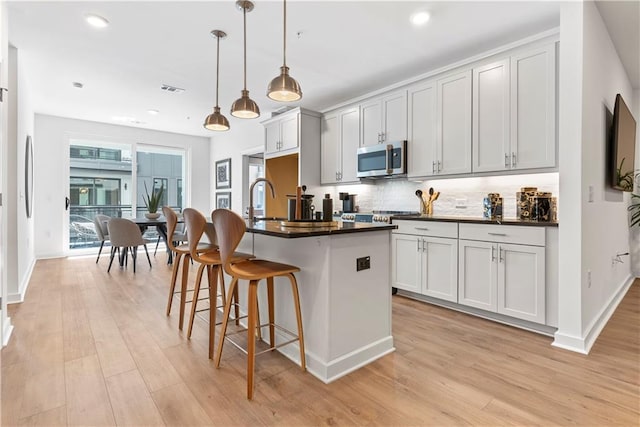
[524, 235]
[427, 228]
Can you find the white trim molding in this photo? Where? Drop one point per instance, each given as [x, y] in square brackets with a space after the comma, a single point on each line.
[584, 343]
[18, 297]
[6, 333]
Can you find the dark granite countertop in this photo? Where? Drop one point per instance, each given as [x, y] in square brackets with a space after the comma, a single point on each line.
[273, 228]
[473, 220]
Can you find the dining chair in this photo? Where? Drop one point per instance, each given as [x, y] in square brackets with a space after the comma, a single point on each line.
[125, 234]
[196, 225]
[182, 254]
[179, 236]
[100, 223]
[230, 228]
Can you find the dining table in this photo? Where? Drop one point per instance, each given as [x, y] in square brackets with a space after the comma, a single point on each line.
[161, 226]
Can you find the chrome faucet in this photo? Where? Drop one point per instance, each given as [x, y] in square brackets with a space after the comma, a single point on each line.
[273, 194]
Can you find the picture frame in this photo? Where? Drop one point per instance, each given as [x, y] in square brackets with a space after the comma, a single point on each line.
[223, 174]
[223, 200]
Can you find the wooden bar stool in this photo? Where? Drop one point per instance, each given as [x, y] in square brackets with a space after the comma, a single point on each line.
[182, 254]
[196, 225]
[229, 231]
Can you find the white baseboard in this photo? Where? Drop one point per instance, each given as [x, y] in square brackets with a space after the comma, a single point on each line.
[18, 297]
[590, 334]
[6, 332]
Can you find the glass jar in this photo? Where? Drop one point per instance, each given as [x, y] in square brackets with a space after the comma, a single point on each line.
[541, 207]
[524, 200]
[492, 206]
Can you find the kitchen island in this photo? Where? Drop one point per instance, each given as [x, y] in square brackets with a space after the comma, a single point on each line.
[346, 307]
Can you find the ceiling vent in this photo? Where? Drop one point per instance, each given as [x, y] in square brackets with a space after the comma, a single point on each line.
[172, 89]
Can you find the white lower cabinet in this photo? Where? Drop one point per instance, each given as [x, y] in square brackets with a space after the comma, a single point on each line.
[426, 264]
[503, 277]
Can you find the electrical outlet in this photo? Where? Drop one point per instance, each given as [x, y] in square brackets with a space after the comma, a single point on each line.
[363, 263]
[588, 278]
[461, 203]
[591, 194]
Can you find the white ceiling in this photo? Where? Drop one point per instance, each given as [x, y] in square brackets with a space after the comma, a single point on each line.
[345, 49]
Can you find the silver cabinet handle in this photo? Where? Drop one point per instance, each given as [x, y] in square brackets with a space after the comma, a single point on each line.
[497, 234]
[418, 241]
[506, 160]
[433, 167]
[384, 136]
[439, 166]
[340, 176]
[501, 256]
[493, 253]
[421, 228]
[424, 245]
[513, 159]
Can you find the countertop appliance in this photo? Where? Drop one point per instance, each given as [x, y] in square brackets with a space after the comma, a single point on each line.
[383, 160]
[375, 217]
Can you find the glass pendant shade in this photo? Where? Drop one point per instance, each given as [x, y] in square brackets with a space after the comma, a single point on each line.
[216, 121]
[284, 88]
[245, 107]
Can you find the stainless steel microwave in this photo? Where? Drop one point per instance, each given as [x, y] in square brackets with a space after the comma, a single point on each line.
[383, 160]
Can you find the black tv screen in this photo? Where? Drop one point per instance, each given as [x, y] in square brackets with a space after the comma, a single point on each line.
[624, 146]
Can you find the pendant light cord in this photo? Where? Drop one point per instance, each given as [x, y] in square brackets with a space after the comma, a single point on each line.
[284, 41]
[217, 67]
[244, 13]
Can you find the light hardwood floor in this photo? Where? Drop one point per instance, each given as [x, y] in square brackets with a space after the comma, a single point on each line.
[91, 348]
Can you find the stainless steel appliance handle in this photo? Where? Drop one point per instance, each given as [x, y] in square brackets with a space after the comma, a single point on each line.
[389, 159]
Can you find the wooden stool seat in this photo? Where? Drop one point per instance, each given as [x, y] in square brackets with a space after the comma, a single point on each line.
[258, 269]
[229, 231]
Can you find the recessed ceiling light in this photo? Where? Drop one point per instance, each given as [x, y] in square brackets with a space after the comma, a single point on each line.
[96, 20]
[420, 18]
[153, 112]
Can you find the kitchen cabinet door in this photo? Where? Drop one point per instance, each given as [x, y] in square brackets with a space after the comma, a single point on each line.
[477, 276]
[406, 262]
[454, 124]
[440, 269]
[421, 130]
[289, 132]
[521, 282]
[394, 118]
[533, 112]
[370, 122]
[491, 115]
[349, 141]
[330, 149]
[272, 137]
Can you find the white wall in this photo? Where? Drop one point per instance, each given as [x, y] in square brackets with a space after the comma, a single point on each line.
[51, 166]
[25, 253]
[591, 232]
[605, 230]
[634, 240]
[244, 136]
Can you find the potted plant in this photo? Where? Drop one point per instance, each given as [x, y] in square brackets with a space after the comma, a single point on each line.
[152, 201]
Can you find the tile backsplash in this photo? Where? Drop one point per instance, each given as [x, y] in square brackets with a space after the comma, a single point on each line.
[458, 196]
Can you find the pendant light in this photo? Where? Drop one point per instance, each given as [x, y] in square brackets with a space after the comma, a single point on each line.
[284, 88]
[215, 120]
[245, 107]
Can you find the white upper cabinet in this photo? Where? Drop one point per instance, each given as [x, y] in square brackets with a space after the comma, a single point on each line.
[533, 108]
[454, 124]
[422, 120]
[281, 135]
[514, 117]
[491, 115]
[340, 140]
[384, 119]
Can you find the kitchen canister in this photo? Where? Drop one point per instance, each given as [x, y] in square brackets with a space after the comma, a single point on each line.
[524, 200]
[492, 206]
[327, 208]
[541, 209]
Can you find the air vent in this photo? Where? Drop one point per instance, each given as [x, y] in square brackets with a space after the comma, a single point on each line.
[171, 89]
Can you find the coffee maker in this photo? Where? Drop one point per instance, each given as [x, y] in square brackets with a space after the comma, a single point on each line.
[348, 202]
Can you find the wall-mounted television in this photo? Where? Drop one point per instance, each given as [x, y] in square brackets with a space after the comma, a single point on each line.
[623, 144]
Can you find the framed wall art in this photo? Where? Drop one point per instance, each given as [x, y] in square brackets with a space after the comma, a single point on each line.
[223, 200]
[223, 173]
